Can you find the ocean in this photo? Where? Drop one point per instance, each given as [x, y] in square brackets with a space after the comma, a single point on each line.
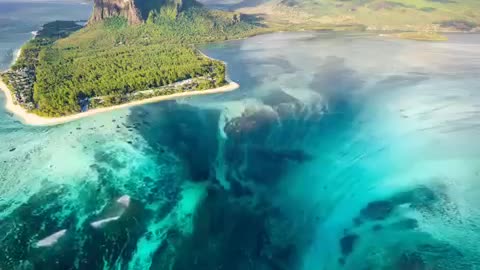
[339, 151]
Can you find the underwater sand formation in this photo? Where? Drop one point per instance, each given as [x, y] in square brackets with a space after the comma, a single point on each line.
[51, 239]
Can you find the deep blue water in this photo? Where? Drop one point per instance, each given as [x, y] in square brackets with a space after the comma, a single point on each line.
[339, 151]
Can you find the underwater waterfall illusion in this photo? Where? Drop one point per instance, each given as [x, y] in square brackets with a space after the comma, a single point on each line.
[337, 152]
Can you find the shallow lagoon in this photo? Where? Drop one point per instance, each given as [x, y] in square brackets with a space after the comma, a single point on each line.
[339, 151]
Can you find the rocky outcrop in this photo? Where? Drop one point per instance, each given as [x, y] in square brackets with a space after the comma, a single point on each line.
[109, 8]
[136, 11]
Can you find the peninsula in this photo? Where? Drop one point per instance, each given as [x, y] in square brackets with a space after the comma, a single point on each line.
[129, 53]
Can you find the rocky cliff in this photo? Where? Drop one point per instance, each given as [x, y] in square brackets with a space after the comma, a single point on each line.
[109, 8]
[136, 11]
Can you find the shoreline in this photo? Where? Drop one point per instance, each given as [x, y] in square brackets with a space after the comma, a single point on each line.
[32, 119]
[28, 118]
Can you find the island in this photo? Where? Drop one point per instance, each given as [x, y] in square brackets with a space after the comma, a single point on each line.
[132, 52]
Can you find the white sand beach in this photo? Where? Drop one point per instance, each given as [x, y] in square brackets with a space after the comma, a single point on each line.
[35, 120]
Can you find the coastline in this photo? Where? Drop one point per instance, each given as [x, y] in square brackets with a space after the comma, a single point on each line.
[32, 119]
[35, 120]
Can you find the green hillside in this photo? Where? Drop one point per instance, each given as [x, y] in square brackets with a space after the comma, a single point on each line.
[405, 15]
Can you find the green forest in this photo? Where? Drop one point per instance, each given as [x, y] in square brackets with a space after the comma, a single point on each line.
[49, 33]
[113, 59]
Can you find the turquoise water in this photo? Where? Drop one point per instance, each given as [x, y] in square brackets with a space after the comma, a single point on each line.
[339, 151]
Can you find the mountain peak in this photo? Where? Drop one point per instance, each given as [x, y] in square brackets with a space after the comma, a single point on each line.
[136, 11]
